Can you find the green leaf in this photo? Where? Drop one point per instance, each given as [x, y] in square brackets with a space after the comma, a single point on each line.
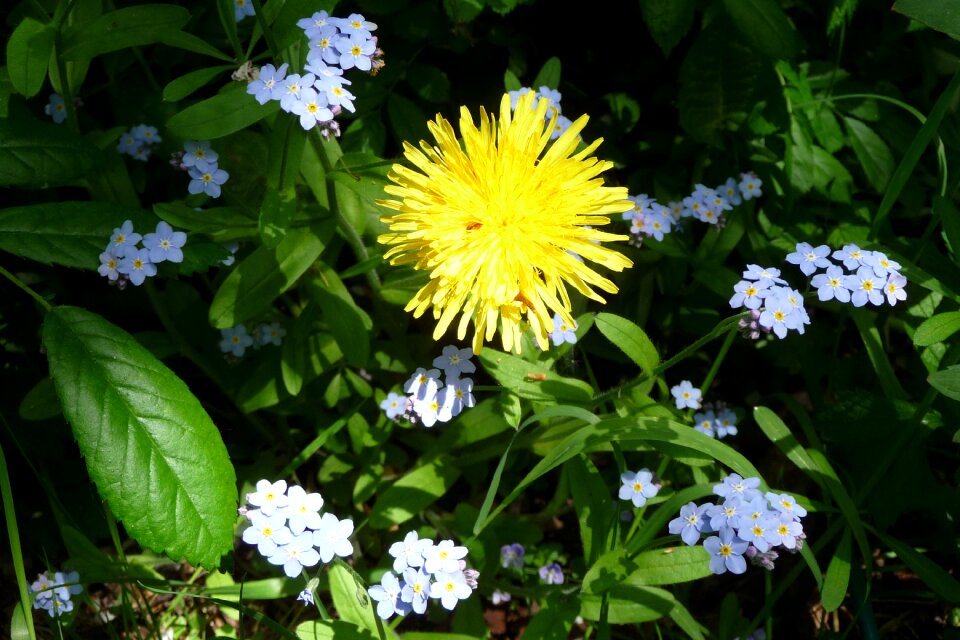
[462, 10]
[43, 154]
[331, 630]
[610, 569]
[71, 234]
[837, 580]
[670, 566]
[227, 112]
[942, 16]
[595, 507]
[844, 502]
[629, 605]
[123, 28]
[186, 84]
[780, 435]
[532, 381]
[511, 82]
[765, 26]
[41, 402]
[937, 328]
[417, 489]
[719, 81]
[190, 42]
[878, 357]
[552, 622]
[549, 75]
[350, 596]
[349, 324]
[152, 450]
[409, 122]
[630, 338]
[209, 221]
[253, 284]
[28, 54]
[872, 152]
[668, 21]
[935, 577]
[947, 381]
[429, 82]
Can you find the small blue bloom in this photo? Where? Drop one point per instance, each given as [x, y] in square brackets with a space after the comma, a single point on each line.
[881, 264]
[199, 155]
[691, 522]
[894, 288]
[416, 589]
[207, 182]
[146, 134]
[266, 86]
[726, 551]
[356, 51]
[638, 487]
[810, 258]
[788, 531]
[108, 265]
[242, 9]
[726, 514]
[235, 340]
[307, 597]
[866, 287]
[356, 25]
[312, 25]
[165, 243]
[765, 276]
[852, 256]
[785, 503]
[56, 109]
[123, 239]
[511, 556]
[136, 265]
[734, 485]
[685, 395]
[778, 314]
[562, 332]
[409, 552]
[750, 186]
[831, 285]
[387, 594]
[705, 422]
[726, 423]
[454, 361]
[761, 532]
[129, 144]
[394, 405]
[730, 191]
[749, 294]
[551, 574]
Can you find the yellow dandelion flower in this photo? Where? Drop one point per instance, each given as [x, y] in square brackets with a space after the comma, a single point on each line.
[497, 222]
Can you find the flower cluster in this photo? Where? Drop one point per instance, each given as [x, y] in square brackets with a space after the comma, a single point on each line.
[773, 305]
[870, 275]
[426, 570]
[56, 108]
[638, 487]
[138, 142]
[288, 529]
[201, 163]
[320, 94]
[748, 524]
[560, 122]
[123, 261]
[235, 340]
[431, 400]
[648, 218]
[716, 420]
[53, 594]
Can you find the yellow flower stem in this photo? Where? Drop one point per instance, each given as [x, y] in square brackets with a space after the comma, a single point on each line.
[722, 327]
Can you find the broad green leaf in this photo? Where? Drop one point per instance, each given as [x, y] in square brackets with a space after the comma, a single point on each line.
[878, 356]
[630, 338]
[19, 628]
[123, 28]
[349, 324]
[838, 575]
[186, 84]
[418, 489]
[671, 565]
[43, 154]
[28, 54]
[844, 502]
[610, 569]
[511, 82]
[872, 152]
[408, 121]
[265, 589]
[532, 381]
[937, 328]
[41, 402]
[947, 381]
[668, 21]
[595, 507]
[629, 605]
[719, 81]
[350, 597]
[331, 630]
[942, 16]
[429, 82]
[190, 42]
[253, 284]
[554, 619]
[765, 26]
[152, 450]
[209, 221]
[549, 75]
[933, 575]
[71, 234]
[780, 435]
[227, 112]
[463, 10]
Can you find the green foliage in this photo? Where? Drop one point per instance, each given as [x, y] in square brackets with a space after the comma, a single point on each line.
[152, 450]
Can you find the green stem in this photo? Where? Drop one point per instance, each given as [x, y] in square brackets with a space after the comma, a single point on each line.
[267, 33]
[16, 553]
[717, 331]
[724, 348]
[33, 294]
